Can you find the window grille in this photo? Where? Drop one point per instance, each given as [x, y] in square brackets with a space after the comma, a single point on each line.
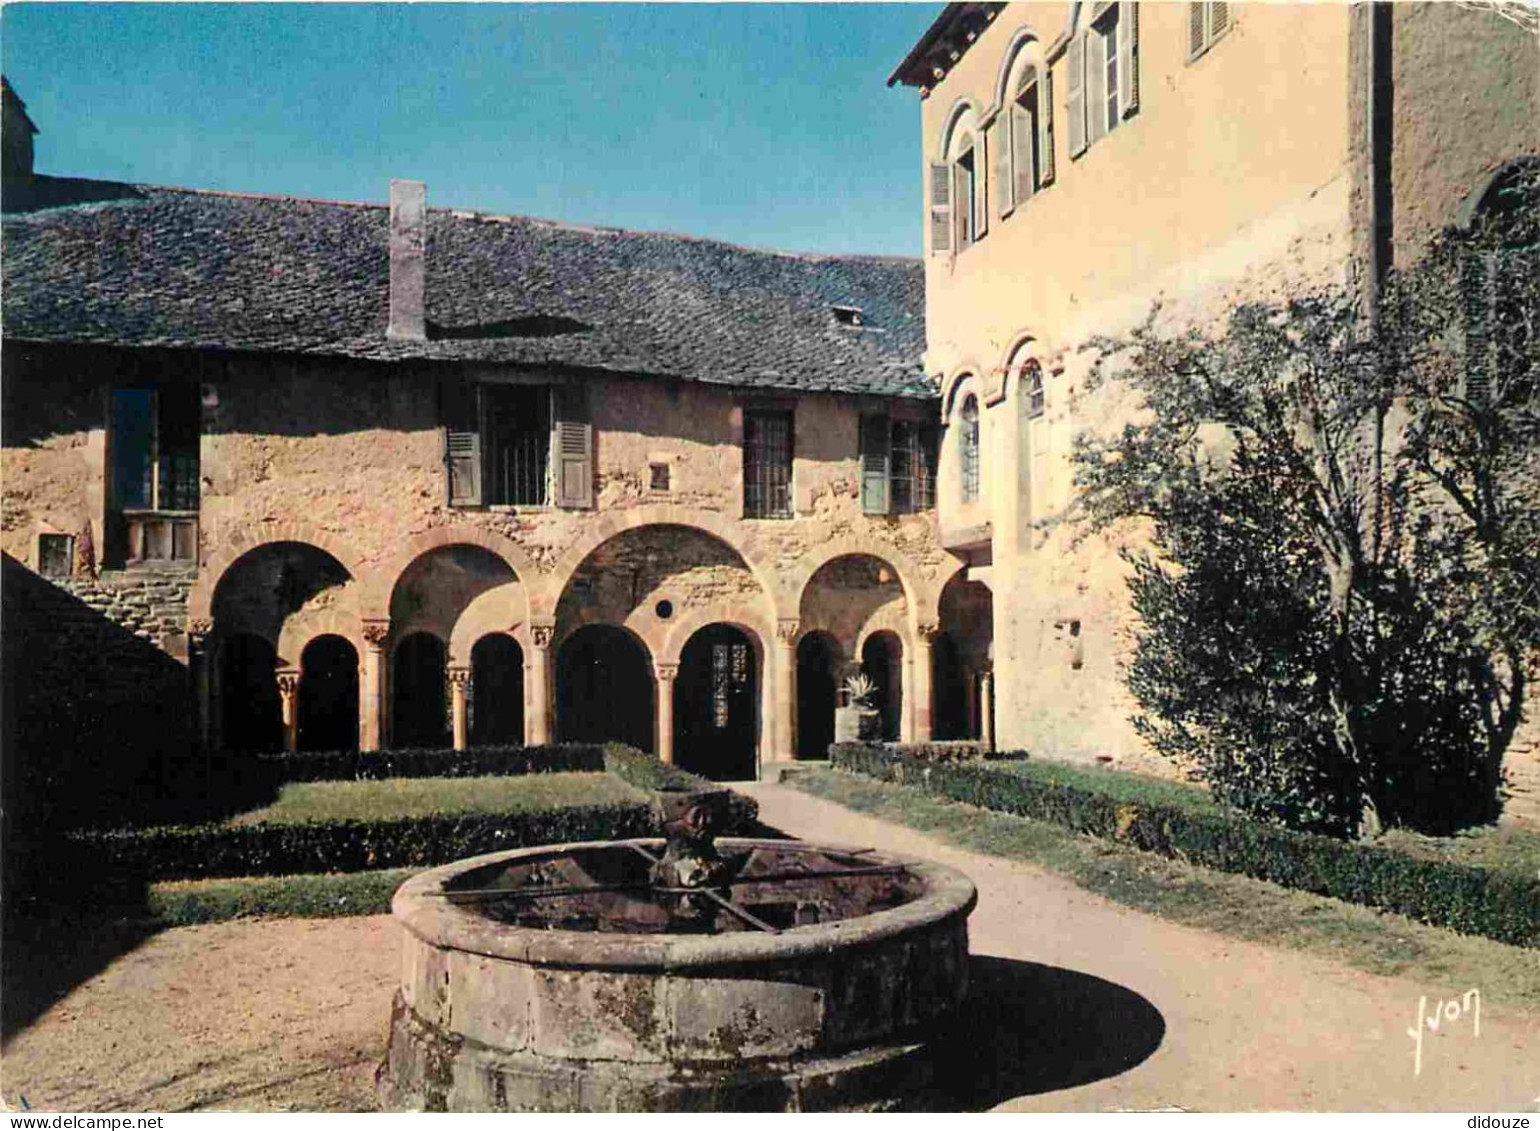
[55, 555]
[914, 467]
[969, 450]
[767, 464]
[518, 432]
[1032, 388]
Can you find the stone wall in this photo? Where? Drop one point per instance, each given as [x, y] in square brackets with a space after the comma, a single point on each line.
[151, 604]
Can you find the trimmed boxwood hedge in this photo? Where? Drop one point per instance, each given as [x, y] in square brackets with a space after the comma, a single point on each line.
[185, 852]
[1473, 901]
[181, 852]
[431, 762]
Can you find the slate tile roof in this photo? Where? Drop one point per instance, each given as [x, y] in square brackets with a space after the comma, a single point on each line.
[185, 268]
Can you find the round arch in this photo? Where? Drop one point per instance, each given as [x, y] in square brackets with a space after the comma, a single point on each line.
[382, 582]
[1026, 47]
[297, 636]
[543, 603]
[965, 114]
[740, 616]
[923, 602]
[952, 387]
[200, 601]
[1024, 346]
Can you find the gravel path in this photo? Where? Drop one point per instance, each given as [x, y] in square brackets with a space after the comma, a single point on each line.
[1079, 1005]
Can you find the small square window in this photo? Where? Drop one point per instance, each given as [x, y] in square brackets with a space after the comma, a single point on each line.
[55, 555]
[659, 477]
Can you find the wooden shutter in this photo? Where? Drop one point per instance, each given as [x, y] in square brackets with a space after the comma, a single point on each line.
[875, 464]
[1005, 189]
[940, 208]
[1218, 19]
[462, 452]
[1477, 286]
[1023, 123]
[1074, 98]
[1045, 129]
[1195, 31]
[981, 185]
[574, 448]
[1128, 57]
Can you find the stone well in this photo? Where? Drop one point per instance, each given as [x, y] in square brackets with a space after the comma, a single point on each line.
[554, 979]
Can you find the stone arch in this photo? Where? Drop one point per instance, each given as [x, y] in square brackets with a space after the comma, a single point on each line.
[544, 601]
[886, 620]
[286, 592]
[383, 580]
[298, 634]
[458, 591]
[721, 701]
[1024, 346]
[920, 596]
[966, 113]
[1481, 195]
[741, 616]
[951, 388]
[200, 601]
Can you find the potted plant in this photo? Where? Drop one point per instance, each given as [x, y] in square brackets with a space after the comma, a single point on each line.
[857, 720]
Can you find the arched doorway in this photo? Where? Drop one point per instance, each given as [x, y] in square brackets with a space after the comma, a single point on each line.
[881, 657]
[716, 724]
[418, 714]
[497, 691]
[817, 693]
[604, 688]
[251, 716]
[328, 695]
[952, 690]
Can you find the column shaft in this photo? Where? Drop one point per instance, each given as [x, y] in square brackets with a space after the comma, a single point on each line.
[924, 711]
[663, 739]
[537, 683]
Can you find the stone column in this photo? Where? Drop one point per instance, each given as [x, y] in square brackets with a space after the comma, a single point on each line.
[924, 709]
[459, 685]
[199, 658]
[986, 708]
[537, 684]
[663, 739]
[371, 686]
[783, 719]
[288, 699]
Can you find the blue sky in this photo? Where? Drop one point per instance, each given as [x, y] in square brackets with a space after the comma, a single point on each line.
[768, 125]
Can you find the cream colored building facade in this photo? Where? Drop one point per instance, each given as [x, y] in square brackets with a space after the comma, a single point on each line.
[1083, 163]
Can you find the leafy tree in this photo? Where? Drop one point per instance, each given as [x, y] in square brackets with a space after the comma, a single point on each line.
[1338, 603]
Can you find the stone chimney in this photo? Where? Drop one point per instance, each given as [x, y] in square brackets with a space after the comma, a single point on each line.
[408, 239]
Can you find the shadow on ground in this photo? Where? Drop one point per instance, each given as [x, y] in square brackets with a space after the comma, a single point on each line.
[1027, 1029]
[51, 950]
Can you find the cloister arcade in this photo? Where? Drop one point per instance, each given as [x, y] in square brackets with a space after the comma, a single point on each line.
[663, 635]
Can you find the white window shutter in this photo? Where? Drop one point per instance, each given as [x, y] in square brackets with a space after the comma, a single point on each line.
[981, 185]
[574, 448]
[1045, 129]
[1195, 30]
[462, 453]
[1074, 98]
[1218, 19]
[940, 208]
[1021, 145]
[1004, 147]
[1128, 57]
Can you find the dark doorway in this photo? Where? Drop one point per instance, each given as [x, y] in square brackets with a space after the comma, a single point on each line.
[817, 692]
[418, 714]
[604, 688]
[951, 688]
[881, 656]
[716, 724]
[497, 692]
[251, 718]
[328, 695]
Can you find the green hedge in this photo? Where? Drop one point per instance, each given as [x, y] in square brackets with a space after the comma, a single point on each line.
[645, 772]
[182, 852]
[430, 762]
[295, 897]
[1473, 901]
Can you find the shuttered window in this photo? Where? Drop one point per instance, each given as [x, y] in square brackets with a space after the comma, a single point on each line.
[914, 467]
[154, 444]
[517, 445]
[876, 465]
[574, 448]
[940, 208]
[1206, 22]
[516, 425]
[766, 464]
[965, 194]
[1102, 66]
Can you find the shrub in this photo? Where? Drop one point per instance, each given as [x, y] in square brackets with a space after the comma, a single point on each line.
[197, 851]
[645, 772]
[1498, 905]
[962, 750]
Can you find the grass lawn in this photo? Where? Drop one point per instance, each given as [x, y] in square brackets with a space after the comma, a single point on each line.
[421, 797]
[1503, 847]
[1375, 941]
[186, 902]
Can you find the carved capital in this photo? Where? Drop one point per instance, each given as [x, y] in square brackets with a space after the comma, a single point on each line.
[787, 630]
[542, 634]
[288, 683]
[927, 630]
[667, 672]
[375, 633]
[459, 676]
[198, 630]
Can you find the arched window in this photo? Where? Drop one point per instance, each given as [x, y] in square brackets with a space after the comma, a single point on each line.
[958, 216]
[1024, 137]
[1499, 259]
[968, 449]
[1033, 399]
